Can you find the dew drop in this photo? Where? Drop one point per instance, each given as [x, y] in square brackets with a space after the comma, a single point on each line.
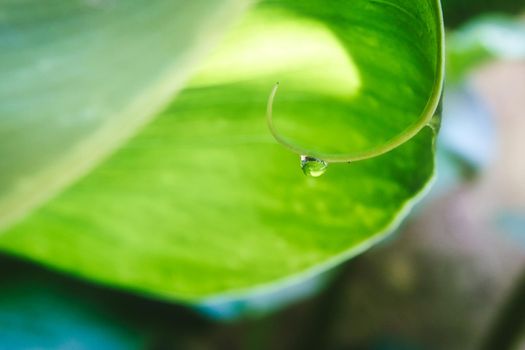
[312, 166]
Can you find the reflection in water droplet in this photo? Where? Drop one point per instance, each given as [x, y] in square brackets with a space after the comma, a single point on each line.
[312, 166]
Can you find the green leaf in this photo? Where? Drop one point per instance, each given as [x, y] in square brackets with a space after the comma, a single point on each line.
[481, 40]
[204, 204]
[80, 77]
[41, 314]
[387, 72]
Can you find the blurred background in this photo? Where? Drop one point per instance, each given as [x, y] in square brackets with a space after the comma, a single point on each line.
[452, 277]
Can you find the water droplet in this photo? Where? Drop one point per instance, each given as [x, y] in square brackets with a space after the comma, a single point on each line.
[312, 166]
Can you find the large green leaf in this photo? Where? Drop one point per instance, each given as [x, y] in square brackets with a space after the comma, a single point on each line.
[79, 77]
[390, 87]
[203, 201]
